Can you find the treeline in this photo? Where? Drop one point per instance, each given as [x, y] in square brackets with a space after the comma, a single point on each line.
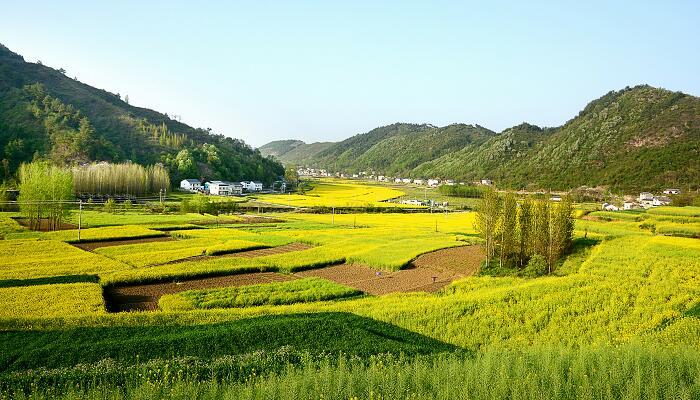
[125, 178]
[468, 191]
[45, 192]
[531, 236]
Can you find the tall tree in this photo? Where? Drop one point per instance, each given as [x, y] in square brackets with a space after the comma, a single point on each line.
[525, 232]
[45, 191]
[508, 228]
[486, 222]
[540, 228]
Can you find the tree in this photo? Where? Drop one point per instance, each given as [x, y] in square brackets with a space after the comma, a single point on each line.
[45, 191]
[561, 229]
[109, 205]
[508, 228]
[540, 228]
[291, 176]
[525, 232]
[486, 222]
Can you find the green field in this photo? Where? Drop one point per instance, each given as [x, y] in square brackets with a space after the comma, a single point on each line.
[618, 318]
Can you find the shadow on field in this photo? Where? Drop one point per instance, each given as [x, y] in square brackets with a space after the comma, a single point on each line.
[49, 281]
[316, 333]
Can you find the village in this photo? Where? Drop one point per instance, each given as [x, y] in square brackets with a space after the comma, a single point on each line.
[224, 188]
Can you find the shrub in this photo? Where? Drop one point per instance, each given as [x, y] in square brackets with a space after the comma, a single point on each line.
[537, 266]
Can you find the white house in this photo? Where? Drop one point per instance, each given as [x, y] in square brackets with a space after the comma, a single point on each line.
[418, 181]
[412, 202]
[555, 197]
[610, 207]
[193, 185]
[236, 188]
[672, 191]
[629, 205]
[252, 186]
[645, 196]
[397, 180]
[406, 180]
[487, 182]
[433, 182]
[661, 201]
[449, 182]
[219, 188]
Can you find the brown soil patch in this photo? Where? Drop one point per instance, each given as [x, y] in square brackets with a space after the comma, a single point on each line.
[428, 273]
[271, 250]
[464, 260]
[90, 246]
[44, 225]
[145, 297]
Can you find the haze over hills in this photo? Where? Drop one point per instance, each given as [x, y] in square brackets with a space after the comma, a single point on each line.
[47, 114]
[634, 138]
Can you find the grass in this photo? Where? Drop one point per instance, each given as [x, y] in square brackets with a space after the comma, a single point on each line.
[51, 300]
[9, 225]
[290, 292]
[317, 333]
[628, 372]
[94, 218]
[154, 253]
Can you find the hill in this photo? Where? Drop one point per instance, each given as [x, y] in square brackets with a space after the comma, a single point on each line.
[44, 113]
[293, 151]
[635, 138]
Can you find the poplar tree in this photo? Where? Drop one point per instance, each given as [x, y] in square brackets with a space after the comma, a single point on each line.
[525, 232]
[486, 222]
[508, 228]
[540, 228]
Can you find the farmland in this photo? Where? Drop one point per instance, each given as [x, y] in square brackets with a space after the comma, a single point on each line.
[343, 305]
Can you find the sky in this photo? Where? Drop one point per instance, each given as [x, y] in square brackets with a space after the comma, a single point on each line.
[324, 71]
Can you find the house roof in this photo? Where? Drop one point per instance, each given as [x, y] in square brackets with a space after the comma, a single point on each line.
[192, 180]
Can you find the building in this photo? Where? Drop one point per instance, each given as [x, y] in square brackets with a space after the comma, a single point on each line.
[236, 188]
[629, 205]
[555, 197]
[433, 182]
[487, 182]
[192, 185]
[418, 181]
[412, 202]
[219, 188]
[252, 186]
[610, 207]
[397, 180]
[406, 180]
[449, 182]
[661, 201]
[645, 196]
[672, 191]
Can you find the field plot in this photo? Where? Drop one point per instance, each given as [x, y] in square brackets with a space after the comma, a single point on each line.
[335, 194]
[146, 297]
[49, 300]
[286, 292]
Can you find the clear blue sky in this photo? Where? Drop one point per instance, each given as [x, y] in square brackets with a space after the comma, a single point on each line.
[262, 70]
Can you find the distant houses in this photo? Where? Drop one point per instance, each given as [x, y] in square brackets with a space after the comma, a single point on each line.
[224, 188]
[672, 191]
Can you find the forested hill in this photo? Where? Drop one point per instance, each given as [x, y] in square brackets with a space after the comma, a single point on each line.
[293, 151]
[45, 113]
[635, 138]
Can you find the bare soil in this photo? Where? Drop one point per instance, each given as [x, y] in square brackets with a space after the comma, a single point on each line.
[44, 225]
[90, 246]
[428, 273]
[145, 297]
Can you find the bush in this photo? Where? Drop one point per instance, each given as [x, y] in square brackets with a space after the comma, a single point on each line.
[109, 205]
[537, 266]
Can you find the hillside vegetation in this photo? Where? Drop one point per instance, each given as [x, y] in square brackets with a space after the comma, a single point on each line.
[635, 138]
[45, 113]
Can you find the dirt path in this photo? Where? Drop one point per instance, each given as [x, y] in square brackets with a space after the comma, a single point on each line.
[90, 246]
[428, 273]
[145, 297]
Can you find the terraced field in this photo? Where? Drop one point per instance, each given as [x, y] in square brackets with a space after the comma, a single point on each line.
[282, 293]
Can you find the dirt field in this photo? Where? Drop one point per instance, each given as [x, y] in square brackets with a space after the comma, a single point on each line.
[145, 297]
[429, 272]
[89, 246]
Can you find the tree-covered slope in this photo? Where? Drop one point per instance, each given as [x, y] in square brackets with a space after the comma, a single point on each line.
[293, 152]
[44, 112]
[635, 138]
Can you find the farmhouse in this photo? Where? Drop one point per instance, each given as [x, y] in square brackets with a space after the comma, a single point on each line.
[555, 197]
[450, 182]
[406, 180]
[252, 186]
[610, 207]
[412, 202]
[661, 201]
[487, 182]
[418, 181]
[236, 188]
[219, 188]
[192, 185]
[672, 191]
[397, 180]
[433, 182]
[629, 205]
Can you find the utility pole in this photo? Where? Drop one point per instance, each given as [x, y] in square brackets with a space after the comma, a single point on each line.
[333, 216]
[80, 217]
